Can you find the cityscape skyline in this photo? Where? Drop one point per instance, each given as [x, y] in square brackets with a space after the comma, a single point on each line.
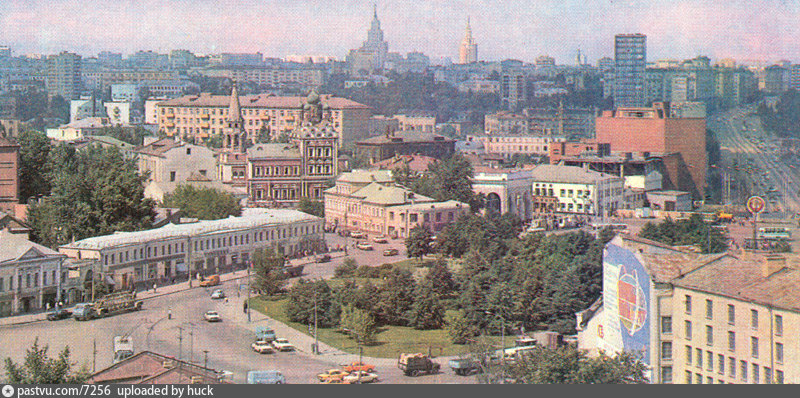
[760, 30]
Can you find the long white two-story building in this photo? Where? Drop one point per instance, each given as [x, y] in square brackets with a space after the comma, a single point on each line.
[195, 248]
[577, 190]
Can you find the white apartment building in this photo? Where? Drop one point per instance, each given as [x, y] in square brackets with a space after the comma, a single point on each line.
[576, 190]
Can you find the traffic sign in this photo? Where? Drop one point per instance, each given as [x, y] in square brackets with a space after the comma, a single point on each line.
[756, 204]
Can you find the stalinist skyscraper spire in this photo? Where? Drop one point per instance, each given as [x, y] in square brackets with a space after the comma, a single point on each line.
[468, 53]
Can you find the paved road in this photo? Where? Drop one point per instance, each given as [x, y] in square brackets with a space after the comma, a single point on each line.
[740, 134]
[227, 342]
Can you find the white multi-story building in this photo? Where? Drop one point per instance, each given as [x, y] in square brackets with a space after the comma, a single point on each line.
[509, 145]
[576, 190]
[31, 275]
[204, 247]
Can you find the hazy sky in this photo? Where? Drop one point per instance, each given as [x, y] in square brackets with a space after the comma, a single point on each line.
[521, 29]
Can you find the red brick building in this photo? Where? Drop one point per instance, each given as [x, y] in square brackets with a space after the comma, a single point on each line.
[9, 174]
[664, 129]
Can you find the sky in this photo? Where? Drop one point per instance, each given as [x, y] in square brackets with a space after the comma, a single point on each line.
[519, 29]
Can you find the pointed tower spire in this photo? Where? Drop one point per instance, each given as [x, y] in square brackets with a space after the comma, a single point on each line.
[234, 109]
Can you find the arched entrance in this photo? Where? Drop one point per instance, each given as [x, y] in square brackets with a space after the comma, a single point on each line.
[493, 203]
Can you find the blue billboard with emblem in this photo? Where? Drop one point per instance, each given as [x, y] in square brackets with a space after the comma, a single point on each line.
[626, 302]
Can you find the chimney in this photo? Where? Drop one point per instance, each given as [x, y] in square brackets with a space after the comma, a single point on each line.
[771, 264]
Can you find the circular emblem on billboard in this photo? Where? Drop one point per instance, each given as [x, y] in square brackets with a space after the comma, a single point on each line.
[631, 301]
[756, 204]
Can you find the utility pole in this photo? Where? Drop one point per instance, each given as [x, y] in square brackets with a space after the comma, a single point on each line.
[316, 341]
[191, 344]
[205, 359]
[248, 290]
[94, 354]
[180, 343]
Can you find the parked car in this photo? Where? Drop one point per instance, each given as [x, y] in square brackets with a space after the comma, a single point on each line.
[324, 258]
[262, 347]
[212, 280]
[380, 239]
[390, 252]
[212, 316]
[358, 235]
[360, 376]
[332, 374]
[58, 314]
[218, 294]
[282, 345]
[464, 366]
[265, 377]
[359, 366]
[364, 246]
[264, 333]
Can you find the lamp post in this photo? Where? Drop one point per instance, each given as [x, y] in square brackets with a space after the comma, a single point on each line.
[248, 290]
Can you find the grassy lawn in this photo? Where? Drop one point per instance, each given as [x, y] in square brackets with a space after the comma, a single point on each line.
[390, 340]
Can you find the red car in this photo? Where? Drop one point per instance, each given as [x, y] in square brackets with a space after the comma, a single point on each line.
[355, 366]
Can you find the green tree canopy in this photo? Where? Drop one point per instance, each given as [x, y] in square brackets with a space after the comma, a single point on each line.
[427, 312]
[33, 175]
[39, 368]
[396, 297]
[302, 296]
[357, 323]
[568, 365]
[310, 206]
[694, 231]
[268, 269]
[419, 241]
[95, 192]
[203, 203]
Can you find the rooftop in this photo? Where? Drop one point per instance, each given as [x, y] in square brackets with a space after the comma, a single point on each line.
[147, 367]
[250, 218]
[388, 195]
[406, 137]
[366, 176]
[15, 247]
[259, 101]
[567, 174]
[287, 150]
[160, 147]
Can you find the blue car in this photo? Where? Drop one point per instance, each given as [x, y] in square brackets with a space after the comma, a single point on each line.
[265, 377]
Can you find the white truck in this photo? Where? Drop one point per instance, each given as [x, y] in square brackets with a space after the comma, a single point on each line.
[123, 348]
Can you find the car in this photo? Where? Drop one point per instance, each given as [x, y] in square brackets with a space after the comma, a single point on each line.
[325, 258]
[380, 239]
[58, 314]
[282, 345]
[358, 235]
[359, 377]
[390, 252]
[332, 374]
[212, 280]
[218, 294]
[364, 246]
[262, 347]
[359, 366]
[212, 316]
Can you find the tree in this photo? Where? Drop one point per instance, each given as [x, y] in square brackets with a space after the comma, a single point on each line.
[313, 207]
[203, 203]
[419, 241]
[449, 179]
[441, 279]
[346, 269]
[33, 153]
[358, 323]
[427, 311]
[302, 296]
[96, 191]
[268, 269]
[694, 231]
[459, 328]
[39, 368]
[396, 297]
[568, 365]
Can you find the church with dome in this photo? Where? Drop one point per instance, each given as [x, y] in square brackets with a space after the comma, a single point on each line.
[279, 174]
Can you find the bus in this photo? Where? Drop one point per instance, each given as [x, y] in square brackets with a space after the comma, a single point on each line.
[614, 227]
[774, 233]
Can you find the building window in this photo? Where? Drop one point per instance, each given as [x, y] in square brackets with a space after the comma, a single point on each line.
[699, 355]
[698, 378]
[666, 375]
[709, 335]
[778, 325]
[731, 314]
[754, 347]
[688, 355]
[688, 330]
[666, 324]
[756, 374]
[688, 377]
[666, 350]
[709, 309]
[688, 304]
[721, 364]
[778, 353]
[44, 278]
[743, 370]
[172, 176]
[732, 367]
[779, 376]
[732, 341]
[767, 375]
[709, 360]
[709, 380]
[754, 319]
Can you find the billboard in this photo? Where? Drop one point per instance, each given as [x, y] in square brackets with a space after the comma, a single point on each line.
[626, 302]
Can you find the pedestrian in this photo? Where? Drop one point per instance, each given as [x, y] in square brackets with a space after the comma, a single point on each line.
[244, 307]
[169, 313]
[226, 300]
[47, 306]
